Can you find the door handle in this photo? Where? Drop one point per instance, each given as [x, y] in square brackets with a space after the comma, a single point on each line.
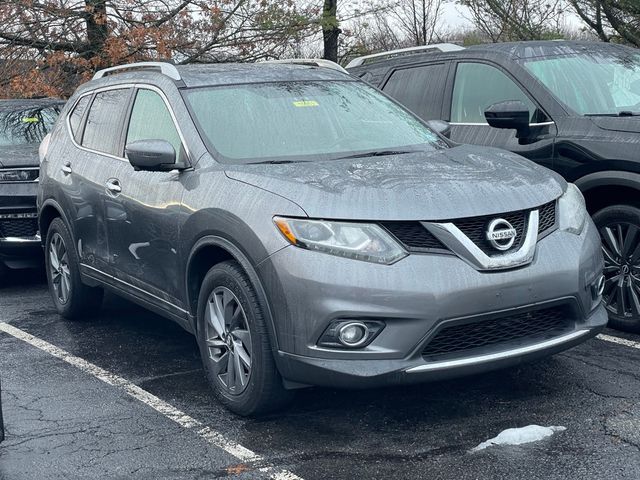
[66, 168]
[113, 186]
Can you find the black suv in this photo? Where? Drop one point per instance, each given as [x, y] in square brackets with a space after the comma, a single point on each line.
[23, 125]
[571, 106]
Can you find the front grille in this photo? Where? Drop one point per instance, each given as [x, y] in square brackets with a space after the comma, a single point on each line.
[547, 217]
[23, 227]
[469, 336]
[476, 229]
[413, 236]
[416, 238]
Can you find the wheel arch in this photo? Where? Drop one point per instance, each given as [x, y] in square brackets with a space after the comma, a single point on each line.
[606, 188]
[48, 212]
[207, 252]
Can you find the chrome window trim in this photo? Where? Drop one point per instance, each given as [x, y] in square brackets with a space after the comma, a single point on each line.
[142, 86]
[492, 357]
[463, 247]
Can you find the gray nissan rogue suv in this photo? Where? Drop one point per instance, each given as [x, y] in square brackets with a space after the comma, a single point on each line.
[309, 230]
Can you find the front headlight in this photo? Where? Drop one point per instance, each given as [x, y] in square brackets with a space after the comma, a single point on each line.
[19, 175]
[572, 210]
[359, 241]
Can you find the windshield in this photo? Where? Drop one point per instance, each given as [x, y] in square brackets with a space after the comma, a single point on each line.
[20, 127]
[598, 83]
[304, 121]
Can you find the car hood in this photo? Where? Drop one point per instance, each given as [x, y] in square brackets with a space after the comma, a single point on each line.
[19, 156]
[459, 182]
[618, 124]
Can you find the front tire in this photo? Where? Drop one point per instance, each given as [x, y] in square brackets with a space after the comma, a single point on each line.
[234, 344]
[619, 227]
[71, 297]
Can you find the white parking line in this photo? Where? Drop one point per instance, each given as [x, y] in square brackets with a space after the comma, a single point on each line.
[619, 341]
[185, 421]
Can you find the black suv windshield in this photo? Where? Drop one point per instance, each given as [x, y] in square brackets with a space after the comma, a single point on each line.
[20, 127]
[596, 83]
[304, 121]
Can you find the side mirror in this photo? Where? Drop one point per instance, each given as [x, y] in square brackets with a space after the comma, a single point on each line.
[440, 126]
[510, 114]
[151, 155]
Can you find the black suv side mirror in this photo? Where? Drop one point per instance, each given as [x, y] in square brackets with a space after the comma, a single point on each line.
[151, 155]
[510, 114]
[440, 126]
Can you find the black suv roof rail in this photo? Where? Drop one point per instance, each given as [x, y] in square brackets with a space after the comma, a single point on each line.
[315, 62]
[165, 68]
[436, 47]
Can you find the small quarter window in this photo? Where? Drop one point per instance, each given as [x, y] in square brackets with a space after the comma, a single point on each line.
[76, 116]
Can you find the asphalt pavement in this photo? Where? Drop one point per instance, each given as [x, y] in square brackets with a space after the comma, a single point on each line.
[123, 395]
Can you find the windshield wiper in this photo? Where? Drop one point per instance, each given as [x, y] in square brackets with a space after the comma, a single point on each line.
[376, 153]
[623, 113]
[273, 162]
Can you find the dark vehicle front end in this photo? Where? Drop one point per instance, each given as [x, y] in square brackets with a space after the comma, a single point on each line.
[23, 125]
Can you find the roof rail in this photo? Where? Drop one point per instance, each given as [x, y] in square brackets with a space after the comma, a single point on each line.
[439, 47]
[165, 68]
[315, 62]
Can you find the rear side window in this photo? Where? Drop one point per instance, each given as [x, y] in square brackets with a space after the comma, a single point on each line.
[477, 87]
[76, 116]
[104, 122]
[419, 89]
[151, 120]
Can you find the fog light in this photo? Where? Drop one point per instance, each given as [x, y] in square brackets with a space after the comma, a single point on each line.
[350, 333]
[353, 334]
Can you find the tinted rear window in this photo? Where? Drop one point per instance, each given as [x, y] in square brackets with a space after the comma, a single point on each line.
[419, 89]
[103, 129]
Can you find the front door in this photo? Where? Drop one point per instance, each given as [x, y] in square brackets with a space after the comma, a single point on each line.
[477, 86]
[142, 209]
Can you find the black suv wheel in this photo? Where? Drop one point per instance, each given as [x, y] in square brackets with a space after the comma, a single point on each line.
[619, 226]
[234, 343]
[71, 297]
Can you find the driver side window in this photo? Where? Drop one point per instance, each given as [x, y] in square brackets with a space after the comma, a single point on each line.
[151, 120]
[478, 86]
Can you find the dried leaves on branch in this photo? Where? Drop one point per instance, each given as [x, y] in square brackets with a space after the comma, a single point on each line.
[48, 46]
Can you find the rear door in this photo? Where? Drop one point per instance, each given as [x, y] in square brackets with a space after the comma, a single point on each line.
[475, 87]
[419, 88]
[143, 212]
[97, 134]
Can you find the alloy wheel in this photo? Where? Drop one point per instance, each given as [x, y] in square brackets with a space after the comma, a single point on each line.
[228, 339]
[59, 268]
[621, 249]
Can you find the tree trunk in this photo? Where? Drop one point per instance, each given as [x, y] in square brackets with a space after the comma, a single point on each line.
[97, 29]
[330, 30]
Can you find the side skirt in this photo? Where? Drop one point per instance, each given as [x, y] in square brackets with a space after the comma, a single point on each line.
[94, 277]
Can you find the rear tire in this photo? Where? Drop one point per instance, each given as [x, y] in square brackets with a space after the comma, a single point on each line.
[72, 298]
[619, 227]
[234, 344]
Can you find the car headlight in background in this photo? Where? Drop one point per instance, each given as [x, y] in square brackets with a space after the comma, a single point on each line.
[572, 210]
[359, 241]
[19, 175]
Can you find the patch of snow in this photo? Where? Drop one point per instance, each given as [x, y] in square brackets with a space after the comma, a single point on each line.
[518, 436]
